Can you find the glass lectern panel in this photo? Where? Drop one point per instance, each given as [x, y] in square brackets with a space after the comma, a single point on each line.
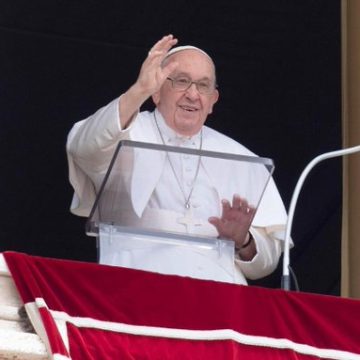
[174, 190]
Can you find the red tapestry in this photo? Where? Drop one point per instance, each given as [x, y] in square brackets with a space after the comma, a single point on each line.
[89, 311]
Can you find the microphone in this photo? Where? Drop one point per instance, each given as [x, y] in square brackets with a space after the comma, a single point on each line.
[285, 281]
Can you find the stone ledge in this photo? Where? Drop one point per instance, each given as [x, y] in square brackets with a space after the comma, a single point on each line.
[10, 313]
[15, 343]
[11, 325]
[21, 346]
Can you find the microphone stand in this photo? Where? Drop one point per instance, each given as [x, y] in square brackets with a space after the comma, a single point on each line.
[285, 281]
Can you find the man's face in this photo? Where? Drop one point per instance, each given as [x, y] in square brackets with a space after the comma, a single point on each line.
[185, 111]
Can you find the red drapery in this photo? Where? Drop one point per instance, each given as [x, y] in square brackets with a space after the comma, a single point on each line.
[91, 311]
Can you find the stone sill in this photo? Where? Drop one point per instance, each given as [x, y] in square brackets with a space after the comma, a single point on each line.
[15, 343]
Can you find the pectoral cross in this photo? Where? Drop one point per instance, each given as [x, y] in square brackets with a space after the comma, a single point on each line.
[188, 219]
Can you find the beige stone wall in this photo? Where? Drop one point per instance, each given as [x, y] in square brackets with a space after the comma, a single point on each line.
[351, 130]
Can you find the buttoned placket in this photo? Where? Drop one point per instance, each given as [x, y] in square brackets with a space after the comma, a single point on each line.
[185, 166]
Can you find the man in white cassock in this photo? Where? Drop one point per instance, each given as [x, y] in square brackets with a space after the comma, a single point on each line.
[182, 83]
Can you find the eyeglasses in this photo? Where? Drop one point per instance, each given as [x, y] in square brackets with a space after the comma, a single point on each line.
[183, 83]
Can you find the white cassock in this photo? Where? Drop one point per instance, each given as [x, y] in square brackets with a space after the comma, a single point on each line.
[156, 200]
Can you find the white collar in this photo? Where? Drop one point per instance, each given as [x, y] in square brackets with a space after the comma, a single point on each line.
[171, 137]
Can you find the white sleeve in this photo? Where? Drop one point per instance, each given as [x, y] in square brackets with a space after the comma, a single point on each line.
[267, 257]
[90, 146]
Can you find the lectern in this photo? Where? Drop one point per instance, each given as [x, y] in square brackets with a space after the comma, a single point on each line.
[137, 227]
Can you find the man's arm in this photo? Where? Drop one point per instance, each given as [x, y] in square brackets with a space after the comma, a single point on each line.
[151, 77]
[268, 251]
[92, 141]
[257, 252]
[234, 224]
